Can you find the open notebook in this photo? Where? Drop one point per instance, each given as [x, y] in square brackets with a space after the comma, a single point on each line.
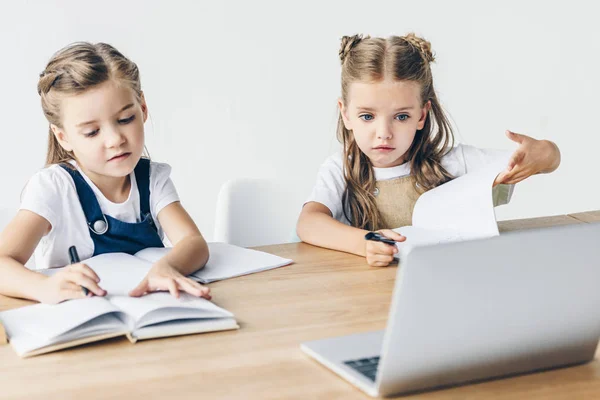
[461, 209]
[44, 328]
[225, 261]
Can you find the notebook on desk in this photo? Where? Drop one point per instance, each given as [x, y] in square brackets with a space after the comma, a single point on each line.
[42, 328]
[226, 261]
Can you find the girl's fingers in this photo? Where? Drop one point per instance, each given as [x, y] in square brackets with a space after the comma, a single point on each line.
[390, 234]
[380, 258]
[172, 287]
[379, 264]
[140, 289]
[515, 137]
[500, 178]
[509, 176]
[380, 248]
[193, 288]
[83, 280]
[515, 159]
[84, 269]
[518, 178]
[72, 291]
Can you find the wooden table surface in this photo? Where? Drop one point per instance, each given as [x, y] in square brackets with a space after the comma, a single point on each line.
[324, 293]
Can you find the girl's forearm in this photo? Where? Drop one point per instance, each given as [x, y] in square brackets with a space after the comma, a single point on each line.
[188, 255]
[16, 280]
[322, 230]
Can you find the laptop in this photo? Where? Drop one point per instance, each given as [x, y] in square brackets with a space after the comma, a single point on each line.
[462, 312]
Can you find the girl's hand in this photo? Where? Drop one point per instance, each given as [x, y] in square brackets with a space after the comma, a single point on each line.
[163, 277]
[381, 254]
[66, 284]
[531, 157]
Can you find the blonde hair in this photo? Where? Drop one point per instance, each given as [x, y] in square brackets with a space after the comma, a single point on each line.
[403, 58]
[73, 70]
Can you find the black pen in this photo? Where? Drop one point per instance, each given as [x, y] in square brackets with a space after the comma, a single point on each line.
[376, 237]
[74, 260]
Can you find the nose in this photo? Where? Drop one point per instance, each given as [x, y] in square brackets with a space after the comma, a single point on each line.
[384, 131]
[113, 137]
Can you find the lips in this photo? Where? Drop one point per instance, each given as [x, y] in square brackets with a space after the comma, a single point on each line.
[121, 156]
[383, 148]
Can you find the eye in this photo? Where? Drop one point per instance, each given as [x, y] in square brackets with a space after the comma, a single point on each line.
[126, 120]
[402, 117]
[366, 117]
[92, 133]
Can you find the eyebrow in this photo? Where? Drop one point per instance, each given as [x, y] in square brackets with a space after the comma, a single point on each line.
[398, 110]
[91, 122]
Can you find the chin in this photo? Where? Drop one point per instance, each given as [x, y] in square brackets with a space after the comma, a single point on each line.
[386, 162]
[120, 171]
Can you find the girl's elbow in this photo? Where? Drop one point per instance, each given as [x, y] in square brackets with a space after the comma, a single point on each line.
[303, 228]
[205, 253]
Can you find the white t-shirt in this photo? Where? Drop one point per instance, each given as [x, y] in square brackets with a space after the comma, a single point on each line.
[51, 193]
[330, 185]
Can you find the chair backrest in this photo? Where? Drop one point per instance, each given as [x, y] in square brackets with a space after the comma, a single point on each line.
[257, 212]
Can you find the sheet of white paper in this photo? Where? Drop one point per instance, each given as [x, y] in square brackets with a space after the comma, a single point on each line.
[464, 204]
[225, 261]
[462, 209]
[118, 272]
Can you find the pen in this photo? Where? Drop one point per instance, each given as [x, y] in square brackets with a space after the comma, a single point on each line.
[74, 260]
[376, 237]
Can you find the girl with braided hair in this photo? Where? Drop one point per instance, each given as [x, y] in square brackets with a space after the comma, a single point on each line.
[97, 192]
[397, 143]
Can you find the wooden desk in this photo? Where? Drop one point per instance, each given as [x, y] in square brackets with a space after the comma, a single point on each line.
[589, 216]
[325, 293]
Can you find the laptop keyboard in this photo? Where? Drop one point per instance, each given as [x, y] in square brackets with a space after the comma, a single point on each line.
[366, 366]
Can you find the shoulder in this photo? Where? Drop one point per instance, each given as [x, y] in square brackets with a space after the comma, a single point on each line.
[334, 164]
[161, 185]
[51, 179]
[48, 193]
[158, 169]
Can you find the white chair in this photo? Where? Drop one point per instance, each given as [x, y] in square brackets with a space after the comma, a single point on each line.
[257, 212]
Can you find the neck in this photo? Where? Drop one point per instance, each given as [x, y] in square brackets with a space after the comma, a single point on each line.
[115, 189]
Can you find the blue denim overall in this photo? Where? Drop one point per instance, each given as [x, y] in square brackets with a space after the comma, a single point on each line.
[109, 234]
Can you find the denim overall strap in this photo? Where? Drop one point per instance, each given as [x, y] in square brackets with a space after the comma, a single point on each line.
[142, 177]
[87, 197]
[119, 236]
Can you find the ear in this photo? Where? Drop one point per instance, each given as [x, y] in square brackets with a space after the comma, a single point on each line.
[424, 113]
[61, 137]
[344, 114]
[144, 107]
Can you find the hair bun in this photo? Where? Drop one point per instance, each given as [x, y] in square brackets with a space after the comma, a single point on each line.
[47, 80]
[348, 43]
[422, 45]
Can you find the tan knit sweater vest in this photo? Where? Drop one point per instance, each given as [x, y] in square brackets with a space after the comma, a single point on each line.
[395, 199]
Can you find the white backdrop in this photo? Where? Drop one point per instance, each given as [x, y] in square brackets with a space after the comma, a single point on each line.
[248, 89]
